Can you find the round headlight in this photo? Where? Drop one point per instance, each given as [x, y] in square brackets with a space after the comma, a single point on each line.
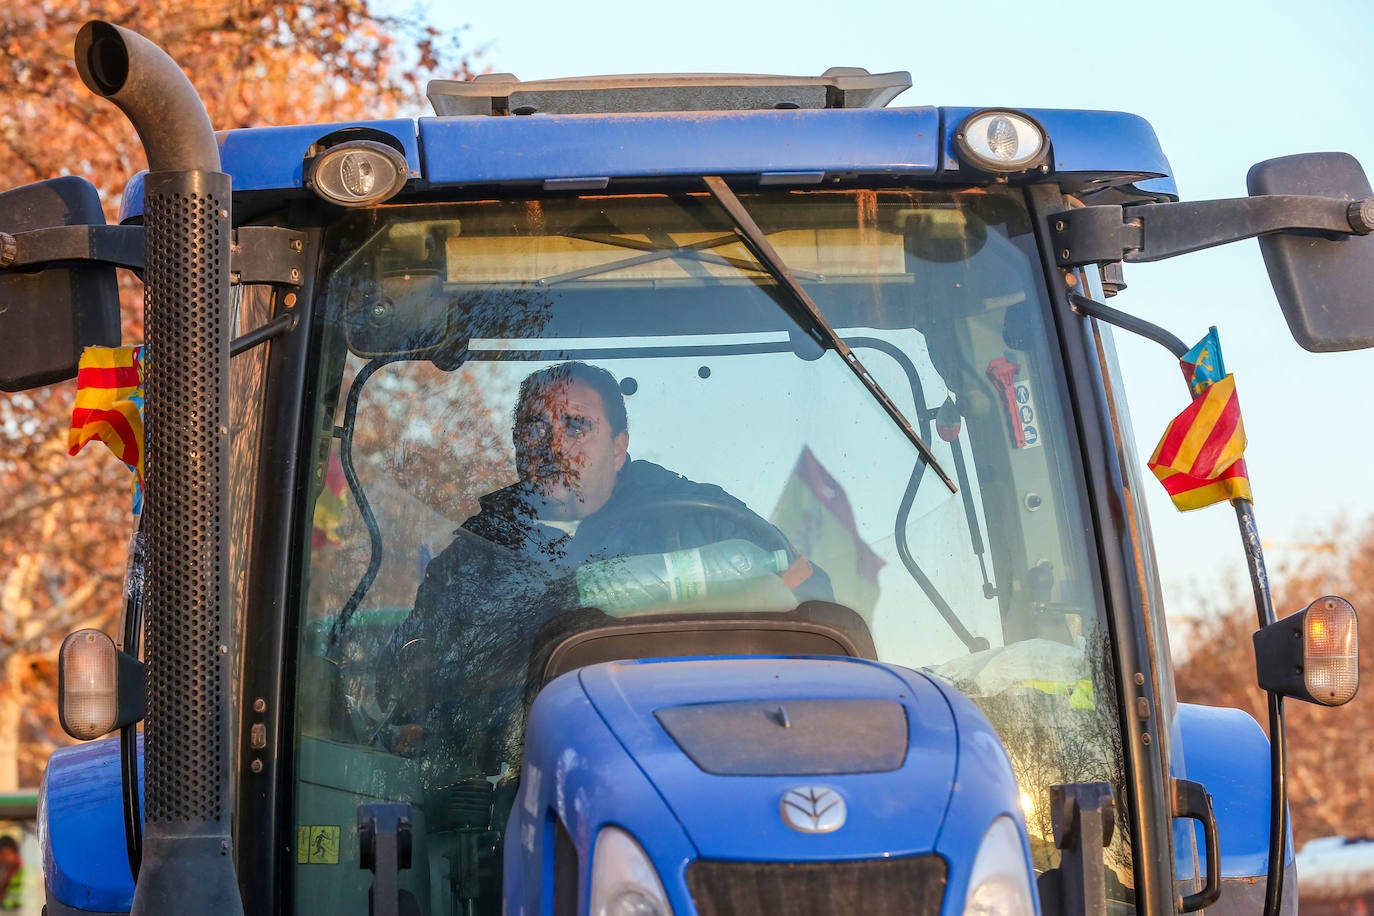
[1002, 142]
[359, 173]
[624, 881]
[1001, 881]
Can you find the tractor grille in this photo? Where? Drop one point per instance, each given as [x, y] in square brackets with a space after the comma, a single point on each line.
[913, 886]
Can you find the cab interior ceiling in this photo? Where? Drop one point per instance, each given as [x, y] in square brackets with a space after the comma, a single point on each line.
[412, 311]
[1102, 186]
[423, 320]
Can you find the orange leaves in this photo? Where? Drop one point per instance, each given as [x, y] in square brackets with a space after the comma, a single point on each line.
[1326, 747]
[253, 62]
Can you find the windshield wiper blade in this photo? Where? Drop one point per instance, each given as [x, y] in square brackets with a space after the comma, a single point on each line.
[805, 312]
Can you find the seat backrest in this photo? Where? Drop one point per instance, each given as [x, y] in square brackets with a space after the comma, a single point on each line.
[588, 636]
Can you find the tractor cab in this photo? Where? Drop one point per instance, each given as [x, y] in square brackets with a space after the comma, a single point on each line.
[766, 503]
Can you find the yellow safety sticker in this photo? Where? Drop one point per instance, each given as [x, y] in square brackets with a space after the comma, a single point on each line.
[317, 845]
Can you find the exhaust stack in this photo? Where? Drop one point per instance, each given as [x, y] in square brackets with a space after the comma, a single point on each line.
[152, 91]
[188, 863]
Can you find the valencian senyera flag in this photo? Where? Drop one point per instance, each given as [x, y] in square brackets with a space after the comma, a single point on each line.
[815, 514]
[109, 407]
[1200, 460]
[1202, 365]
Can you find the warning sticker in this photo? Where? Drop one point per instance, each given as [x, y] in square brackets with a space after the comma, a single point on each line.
[1026, 415]
[1020, 402]
[318, 845]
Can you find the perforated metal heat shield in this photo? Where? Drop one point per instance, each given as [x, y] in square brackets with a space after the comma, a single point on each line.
[187, 630]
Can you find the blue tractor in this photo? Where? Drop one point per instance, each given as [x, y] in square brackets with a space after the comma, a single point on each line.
[654, 495]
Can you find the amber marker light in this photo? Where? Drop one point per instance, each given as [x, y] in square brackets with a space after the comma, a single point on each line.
[1331, 662]
[88, 684]
[1312, 655]
[99, 688]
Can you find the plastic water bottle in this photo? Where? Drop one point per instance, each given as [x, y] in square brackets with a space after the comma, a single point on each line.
[622, 585]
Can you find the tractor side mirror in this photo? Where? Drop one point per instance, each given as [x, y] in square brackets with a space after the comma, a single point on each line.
[50, 314]
[1324, 282]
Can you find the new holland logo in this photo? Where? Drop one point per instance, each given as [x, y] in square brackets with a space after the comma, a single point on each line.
[813, 809]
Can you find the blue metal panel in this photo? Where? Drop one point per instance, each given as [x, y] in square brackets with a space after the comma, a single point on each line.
[576, 770]
[81, 822]
[984, 789]
[512, 149]
[1228, 753]
[737, 817]
[269, 158]
[596, 755]
[1187, 837]
[1094, 148]
[131, 203]
[1098, 146]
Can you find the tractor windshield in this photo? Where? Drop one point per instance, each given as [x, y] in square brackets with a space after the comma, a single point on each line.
[540, 417]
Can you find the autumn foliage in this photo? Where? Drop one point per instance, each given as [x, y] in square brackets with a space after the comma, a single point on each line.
[1330, 751]
[64, 522]
[254, 63]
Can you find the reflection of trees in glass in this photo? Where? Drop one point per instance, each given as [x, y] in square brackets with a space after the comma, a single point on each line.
[430, 437]
[426, 444]
[442, 437]
[1060, 729]
[443, 434]
[247, 388]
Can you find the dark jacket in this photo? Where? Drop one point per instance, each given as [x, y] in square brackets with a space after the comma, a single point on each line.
[485, 597]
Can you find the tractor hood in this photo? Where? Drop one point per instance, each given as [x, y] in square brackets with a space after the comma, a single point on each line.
[826, 758]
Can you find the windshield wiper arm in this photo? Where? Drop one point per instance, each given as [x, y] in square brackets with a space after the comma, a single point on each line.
[805, 312]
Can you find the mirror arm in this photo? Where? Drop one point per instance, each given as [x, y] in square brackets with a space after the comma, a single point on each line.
[257, 254]
[1153, 232]
[119, 246]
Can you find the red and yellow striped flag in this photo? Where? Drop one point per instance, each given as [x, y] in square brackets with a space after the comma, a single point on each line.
[1200, 460]
[109, 402]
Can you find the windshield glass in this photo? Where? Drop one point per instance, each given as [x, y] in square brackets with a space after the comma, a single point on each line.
[532, 408]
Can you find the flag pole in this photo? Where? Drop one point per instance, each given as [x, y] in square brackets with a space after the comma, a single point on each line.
[1259, 584]
[1278, 764]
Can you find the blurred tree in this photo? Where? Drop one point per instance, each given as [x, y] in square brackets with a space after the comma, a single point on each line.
[1330, 751]
[65, 523]
[254, 62]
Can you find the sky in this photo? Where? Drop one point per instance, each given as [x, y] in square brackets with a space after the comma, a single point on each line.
[1225, 85]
